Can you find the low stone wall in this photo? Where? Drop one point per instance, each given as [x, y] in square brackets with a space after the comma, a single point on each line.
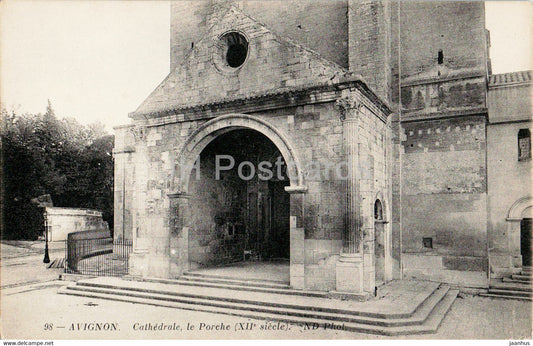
[62, 221]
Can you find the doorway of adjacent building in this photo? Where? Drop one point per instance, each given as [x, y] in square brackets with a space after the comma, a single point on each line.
[525, 241]
[239, 208]
[379, 243]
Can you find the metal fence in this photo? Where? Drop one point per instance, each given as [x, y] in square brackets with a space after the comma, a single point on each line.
[90, 254]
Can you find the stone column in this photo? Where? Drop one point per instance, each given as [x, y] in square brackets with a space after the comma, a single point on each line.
[139, 256]
[349, 268]
[179, 223]
[297, 236]
[515, 255]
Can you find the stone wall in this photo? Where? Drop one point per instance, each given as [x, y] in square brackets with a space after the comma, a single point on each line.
[427, 161]
[369, 40]
[62, 221]
[509, 181]
[509, 102]
[456, 28]
[124, 182]
[204, 77]
[318, 25]
[444, 199]
[315, 134]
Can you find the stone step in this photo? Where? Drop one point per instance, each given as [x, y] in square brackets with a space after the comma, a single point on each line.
[527, 270]
[381, 308]
[436, 308]
[215, 276]
[518, 282]
[519, 277]
[512, 286]
[258, 306]
[233, 281]
[273, 299]
[507, 292]
[57, 263]
[504, 296]
[239, 287]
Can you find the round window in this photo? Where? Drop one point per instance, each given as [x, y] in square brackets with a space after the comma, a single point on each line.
[237, 49]
[231, 51]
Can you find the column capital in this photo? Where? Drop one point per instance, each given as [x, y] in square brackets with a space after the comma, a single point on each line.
[139, 132]
[349, 107]
[296, 189]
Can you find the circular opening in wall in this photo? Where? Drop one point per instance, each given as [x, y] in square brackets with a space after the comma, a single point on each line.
[236, 48]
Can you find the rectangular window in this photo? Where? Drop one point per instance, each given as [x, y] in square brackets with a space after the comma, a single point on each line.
[440, 57]
[524, 145]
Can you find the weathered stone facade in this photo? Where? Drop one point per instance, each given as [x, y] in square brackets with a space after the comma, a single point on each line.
[398, 109]
[510, 200]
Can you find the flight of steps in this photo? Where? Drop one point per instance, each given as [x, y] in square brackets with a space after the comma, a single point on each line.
[268, 300]
[517, 286]
[252, 285]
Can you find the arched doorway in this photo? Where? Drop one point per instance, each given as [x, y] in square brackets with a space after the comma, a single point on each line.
[238, 217]
[379, 243]
[194, 145]
[525, 241]
[520, 218]
[526, 231]
[240, 210]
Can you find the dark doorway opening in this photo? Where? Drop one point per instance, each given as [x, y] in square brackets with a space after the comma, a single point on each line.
[525, 241]
[239, 207]
[379, 243]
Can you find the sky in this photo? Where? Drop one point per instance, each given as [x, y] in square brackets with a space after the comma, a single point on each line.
[98, 60]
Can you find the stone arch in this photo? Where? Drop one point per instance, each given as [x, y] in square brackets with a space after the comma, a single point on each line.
[518, 207]
[208, 131]
[378, 210]
[384, 205]
[382, 241]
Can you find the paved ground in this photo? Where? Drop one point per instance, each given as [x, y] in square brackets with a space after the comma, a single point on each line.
[22, 263]
[35, 311]
[20, 248]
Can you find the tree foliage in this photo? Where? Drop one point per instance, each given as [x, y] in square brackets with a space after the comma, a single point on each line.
[42, 154]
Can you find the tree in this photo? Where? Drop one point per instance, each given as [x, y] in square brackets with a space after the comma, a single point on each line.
[42, 154]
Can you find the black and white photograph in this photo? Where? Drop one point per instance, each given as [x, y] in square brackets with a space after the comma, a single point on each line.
[266, 170]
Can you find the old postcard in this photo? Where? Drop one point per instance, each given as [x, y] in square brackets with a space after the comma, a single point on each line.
[266, 170]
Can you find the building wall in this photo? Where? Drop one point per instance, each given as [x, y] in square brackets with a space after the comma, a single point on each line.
[214, 202]
[442, 115]
[370, 43]
[433, 152]
[509, 180]
[509, 102]
[318, 25]
[204, 77]
[456, 27]
[444, 198]
[309, 122]
[316, 133]
[124, 183]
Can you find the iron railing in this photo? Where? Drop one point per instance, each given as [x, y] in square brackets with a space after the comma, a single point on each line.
[95, 253]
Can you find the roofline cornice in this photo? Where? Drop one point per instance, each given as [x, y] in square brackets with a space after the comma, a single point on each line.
[278, 99]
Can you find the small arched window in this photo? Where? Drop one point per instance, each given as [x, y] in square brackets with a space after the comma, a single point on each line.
[524, 145]
[378, 210]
